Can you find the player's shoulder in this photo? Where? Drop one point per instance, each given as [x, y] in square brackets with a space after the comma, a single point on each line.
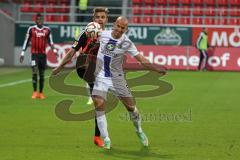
[32, 26]
[126, 37]
[46, 27]
[106, 32]
[82, 36]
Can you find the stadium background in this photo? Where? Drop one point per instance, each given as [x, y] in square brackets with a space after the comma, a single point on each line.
[165, 31]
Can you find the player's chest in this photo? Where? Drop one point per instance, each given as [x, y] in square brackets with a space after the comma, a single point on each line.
[36, 33]
[112, 48]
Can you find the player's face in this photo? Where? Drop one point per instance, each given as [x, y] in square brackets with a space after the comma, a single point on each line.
[206, 30]
[101, 18]
[119, 28]
[39, 21]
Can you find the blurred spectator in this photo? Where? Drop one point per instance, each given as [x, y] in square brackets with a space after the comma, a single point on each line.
[202, 46]
[82, 9]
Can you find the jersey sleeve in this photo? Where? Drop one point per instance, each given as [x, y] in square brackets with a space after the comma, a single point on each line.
[50, 39]
[132, 49]
[80, 42]
[27, 39]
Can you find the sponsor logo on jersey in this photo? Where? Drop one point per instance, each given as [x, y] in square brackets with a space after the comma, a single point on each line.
[39, 34]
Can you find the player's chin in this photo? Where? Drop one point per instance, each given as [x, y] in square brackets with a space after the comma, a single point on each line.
[101, 24]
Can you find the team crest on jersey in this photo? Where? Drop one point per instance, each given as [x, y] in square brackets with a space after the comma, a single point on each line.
[124, 45]
[110, 46]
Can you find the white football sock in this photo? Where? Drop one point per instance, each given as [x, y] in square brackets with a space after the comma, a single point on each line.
[102, 124]
[135, 117]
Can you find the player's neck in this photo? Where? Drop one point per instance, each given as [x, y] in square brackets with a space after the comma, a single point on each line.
[39, 26]
[115, 36]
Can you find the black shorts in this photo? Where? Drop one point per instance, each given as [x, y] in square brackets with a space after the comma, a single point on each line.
[39, 61]
[85, 69]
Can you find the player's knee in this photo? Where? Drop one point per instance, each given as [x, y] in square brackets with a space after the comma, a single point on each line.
[130, 108]
[41, 76]
[34, 75]
[98, 102]
[34, 70]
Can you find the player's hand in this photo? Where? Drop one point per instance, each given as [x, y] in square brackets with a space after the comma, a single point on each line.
[56, 70]
[92, 35]
[162, 70]
[21, 59]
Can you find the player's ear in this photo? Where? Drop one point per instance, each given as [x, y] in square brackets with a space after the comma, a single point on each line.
[126, 29]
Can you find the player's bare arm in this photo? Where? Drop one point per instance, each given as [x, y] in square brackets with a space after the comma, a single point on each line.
[154, 67]
[66, 59]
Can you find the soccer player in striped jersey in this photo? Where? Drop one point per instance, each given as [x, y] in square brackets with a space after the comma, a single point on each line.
[86, 61]
[110, 76]
[39, 35]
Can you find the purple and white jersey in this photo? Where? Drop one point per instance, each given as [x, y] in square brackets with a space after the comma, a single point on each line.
[111, 55]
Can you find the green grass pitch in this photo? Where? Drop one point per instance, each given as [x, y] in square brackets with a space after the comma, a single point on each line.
[198, 120]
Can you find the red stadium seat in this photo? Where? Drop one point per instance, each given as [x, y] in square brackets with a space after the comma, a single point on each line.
[173, 10]
[136, 19]
[136, 9]
[161, 2]
[209, 21]
[148, 10]
[38, 7]
[197, 11]
[197, 2]
[26, 7]
[235, 11]
[52, 1]
[148, 19]
[234, 21]
[64, 8]
[159, 20]
[49, 18]
[187, 2]
[17, 1]
[64, 1]
[185, 10]
[173, 2]
[222, 11]
[172, 20]
[223, 21]
[222, 2]
[234, 2]
[161, 10]
[185, 20]
[197, 20]
[40, 1]
[50, 8]
[62, 18]
[136, 1]
[148, 2]
[209, 11]
[210, 2]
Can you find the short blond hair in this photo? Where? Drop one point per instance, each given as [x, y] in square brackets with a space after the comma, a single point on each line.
[100, 9]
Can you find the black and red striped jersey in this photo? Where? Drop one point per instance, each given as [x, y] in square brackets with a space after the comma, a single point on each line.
[88, 45]
[89, 49]
[39, 38]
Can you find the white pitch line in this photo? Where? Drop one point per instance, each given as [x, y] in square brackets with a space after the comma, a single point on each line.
[17, 82]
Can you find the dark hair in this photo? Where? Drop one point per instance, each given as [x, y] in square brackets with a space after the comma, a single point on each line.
[100, 9]
[38, 15]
